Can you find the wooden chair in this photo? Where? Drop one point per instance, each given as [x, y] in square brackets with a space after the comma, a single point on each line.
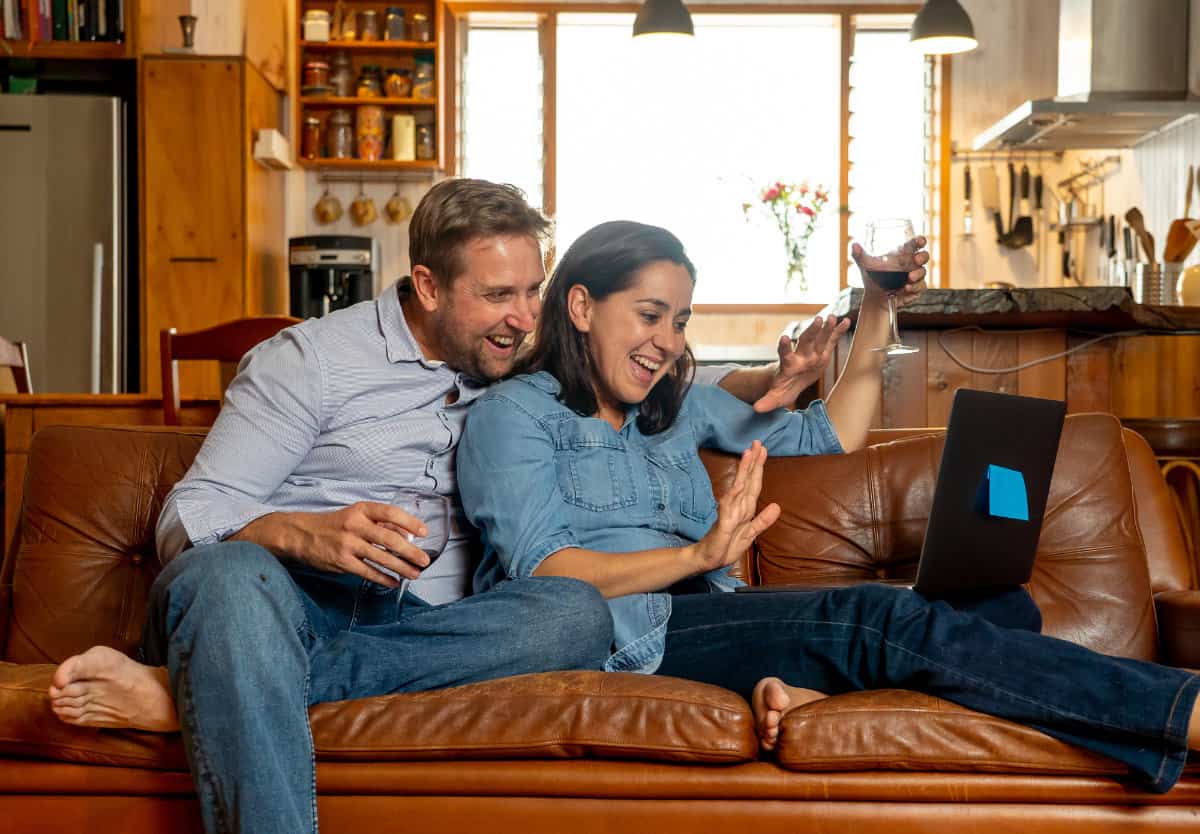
[226, 343]
[15, 358]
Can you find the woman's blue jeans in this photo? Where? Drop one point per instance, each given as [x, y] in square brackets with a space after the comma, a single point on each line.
[250, 645]
[876, 637]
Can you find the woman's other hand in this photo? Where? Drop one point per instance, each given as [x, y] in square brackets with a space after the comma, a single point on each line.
[738, 519]
[802, 360]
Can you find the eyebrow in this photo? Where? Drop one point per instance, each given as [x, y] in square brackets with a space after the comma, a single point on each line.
[662, 305]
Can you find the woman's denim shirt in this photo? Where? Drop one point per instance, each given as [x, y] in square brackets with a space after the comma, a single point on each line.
[536, 477]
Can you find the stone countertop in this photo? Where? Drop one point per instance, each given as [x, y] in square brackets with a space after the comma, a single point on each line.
[1103, 309]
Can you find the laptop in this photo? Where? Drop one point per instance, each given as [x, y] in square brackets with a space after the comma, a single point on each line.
[989, 499]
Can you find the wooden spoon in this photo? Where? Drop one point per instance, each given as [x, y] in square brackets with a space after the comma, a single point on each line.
[1180, 239]
[1135, 220]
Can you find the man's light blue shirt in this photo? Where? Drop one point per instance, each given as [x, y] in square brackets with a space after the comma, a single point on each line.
[332, 411]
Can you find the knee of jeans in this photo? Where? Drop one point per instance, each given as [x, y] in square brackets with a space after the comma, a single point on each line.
[224, 576]
[582, 632]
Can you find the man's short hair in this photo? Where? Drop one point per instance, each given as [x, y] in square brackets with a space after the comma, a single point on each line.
[457, 211]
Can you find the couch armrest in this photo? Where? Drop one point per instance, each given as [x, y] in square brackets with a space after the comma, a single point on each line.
[1179, 627]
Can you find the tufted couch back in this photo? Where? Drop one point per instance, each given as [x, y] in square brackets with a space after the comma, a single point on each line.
[84, 557]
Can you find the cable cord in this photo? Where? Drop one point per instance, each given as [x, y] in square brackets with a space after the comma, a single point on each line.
[1040, 360]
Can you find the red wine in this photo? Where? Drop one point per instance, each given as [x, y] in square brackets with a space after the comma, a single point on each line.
[888, 279]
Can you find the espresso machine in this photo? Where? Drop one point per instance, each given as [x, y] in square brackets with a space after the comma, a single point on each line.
[329, 272]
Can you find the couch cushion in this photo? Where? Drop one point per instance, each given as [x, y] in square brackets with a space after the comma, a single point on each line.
[892, 729]
[862, 516]
[549, 716]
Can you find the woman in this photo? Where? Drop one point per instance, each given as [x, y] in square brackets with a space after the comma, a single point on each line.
[586, 466]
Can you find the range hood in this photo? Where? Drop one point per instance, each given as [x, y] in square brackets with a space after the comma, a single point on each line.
[1122, 78]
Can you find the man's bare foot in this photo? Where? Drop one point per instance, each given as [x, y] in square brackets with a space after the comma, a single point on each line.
[771, 701]
[104, 688]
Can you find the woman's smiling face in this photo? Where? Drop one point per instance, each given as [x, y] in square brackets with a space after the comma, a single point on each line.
[634, 336]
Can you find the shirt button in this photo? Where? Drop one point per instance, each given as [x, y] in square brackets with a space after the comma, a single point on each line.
[661, 507]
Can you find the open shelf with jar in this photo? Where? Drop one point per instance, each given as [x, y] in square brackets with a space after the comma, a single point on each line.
[89, 31]
[370, 85]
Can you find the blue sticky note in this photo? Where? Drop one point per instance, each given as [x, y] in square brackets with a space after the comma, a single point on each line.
[1006, 493]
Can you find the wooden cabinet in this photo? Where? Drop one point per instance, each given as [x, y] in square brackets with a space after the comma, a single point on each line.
[417, 47]
[213, 237]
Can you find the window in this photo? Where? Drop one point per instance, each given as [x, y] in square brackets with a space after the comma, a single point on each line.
[682, 134]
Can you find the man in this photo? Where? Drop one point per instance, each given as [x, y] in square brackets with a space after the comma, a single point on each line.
[271, 601]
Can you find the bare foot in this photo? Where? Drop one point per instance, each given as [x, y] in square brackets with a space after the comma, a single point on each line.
[104, 688]
[771, 701]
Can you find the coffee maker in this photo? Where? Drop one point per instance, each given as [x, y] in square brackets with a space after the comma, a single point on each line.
[329, 272]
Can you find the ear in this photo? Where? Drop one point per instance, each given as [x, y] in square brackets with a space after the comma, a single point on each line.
[426, 288]
[579, 307]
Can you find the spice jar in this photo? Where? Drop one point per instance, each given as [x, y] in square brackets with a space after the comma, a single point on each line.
[423, 86]
[316, 25]
[397, 83]
[393, 24]
[369, 83]
[315, 80]
[310, 138]
[425, 140]
[368, 25]
[339, 140]
[370, 132]
[341, 74]
[420, 28]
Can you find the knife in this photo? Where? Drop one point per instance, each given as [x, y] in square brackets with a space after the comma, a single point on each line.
[1113, 277]
[968, 219]
[1127, 235]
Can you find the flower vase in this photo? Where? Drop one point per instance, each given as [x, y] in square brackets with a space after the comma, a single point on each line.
[796, 277]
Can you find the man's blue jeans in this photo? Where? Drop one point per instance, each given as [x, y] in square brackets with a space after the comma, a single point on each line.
[250, 645]
[876, 637]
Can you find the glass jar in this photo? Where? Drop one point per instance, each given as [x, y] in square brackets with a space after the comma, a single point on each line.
[310, 138]
[425, 141]
[370, 85]
[316, 25]
[370, 132]
[368, 25]
[393, 24]
[423, 86]
[397, 83]
[341, 74]
[420, 28]
[339, 139]
[315, 81]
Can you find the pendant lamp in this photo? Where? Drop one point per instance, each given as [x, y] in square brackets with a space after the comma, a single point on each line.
[663, 17]
[942, 27]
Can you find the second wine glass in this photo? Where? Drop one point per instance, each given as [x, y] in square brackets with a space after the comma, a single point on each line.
[887, 263]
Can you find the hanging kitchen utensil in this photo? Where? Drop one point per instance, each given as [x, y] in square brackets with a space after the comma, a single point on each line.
[1180, 240]
[1039, 232]
[968, 218]
[397, 209]
[1134, 218]
[1130, 261]
[1114, 275]
[1021, 234]
[989, 197]
[1012, 204]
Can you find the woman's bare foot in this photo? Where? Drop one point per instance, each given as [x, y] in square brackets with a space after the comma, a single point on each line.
[771, 701]
[104, 688]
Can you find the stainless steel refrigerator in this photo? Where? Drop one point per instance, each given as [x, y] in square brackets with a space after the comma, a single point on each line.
[62, 281]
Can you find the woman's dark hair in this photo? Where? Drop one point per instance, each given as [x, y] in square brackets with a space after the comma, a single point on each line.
[604, 260]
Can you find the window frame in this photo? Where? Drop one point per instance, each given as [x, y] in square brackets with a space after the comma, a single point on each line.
[547, 17]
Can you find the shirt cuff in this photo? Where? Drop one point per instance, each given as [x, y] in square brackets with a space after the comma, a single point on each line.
[205, 527]
[543, 551]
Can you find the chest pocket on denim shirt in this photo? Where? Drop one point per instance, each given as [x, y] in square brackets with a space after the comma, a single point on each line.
[593, 468]
[688, 481]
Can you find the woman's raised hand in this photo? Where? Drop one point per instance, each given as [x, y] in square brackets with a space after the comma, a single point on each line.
[738, 519]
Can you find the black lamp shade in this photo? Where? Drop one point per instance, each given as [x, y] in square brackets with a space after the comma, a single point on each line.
[942, 27]
[662, 17]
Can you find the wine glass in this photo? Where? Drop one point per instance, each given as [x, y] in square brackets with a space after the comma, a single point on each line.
[432, 510]
[887, 263]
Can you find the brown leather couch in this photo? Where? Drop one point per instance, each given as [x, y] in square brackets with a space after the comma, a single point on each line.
[590, 752]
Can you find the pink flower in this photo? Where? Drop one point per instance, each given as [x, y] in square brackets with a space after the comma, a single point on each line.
[806, 210]
[803, 189]
[771, 195]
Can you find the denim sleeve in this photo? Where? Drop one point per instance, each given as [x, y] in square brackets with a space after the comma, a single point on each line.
[722, 421]
[268, 423]
[524, 519]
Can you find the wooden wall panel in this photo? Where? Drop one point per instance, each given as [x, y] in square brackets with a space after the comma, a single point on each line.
[1045, 379]
[905, 391]
[266, 244]
[1089, 376]
[995, 350]
[1138, 371]
[945, 376]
